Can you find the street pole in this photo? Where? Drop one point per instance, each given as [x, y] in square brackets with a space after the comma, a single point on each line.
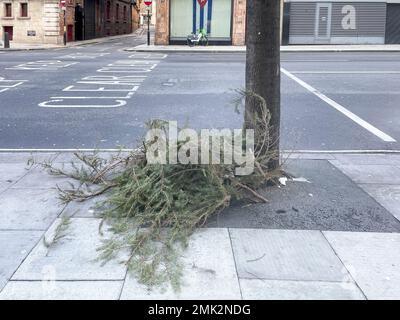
[65, 28]
[148, 26]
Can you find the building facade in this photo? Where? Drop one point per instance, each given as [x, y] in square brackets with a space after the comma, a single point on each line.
[35, 21]
[343, 22]
[304, 21]
[43, 21]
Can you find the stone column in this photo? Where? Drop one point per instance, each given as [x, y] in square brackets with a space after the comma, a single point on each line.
[239, 23]
[162, 22]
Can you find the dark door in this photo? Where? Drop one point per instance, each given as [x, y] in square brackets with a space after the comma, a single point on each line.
[9, 30]
[286, 23]
[70, 33]
[78, 23]
[89, 20]
[392, 23]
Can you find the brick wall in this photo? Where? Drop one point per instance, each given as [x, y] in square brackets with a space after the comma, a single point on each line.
[118, 23]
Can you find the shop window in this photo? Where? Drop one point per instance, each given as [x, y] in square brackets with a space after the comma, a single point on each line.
[181, 18]
[192, 15]
[219, 22]
[8, 10]
[24, 10]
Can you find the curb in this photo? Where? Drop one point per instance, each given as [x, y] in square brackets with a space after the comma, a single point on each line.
[193, 50]
[283, 50]
[76, 44]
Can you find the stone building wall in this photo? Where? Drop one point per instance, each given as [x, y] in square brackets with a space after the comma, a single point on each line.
[162, 23]
[44, 23]
[239, 23]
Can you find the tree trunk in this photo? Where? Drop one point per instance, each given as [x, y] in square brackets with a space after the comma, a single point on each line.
[263, 67]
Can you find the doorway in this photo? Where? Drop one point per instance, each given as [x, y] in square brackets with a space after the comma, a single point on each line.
[10, 31]
[70, 33]
[323, 17]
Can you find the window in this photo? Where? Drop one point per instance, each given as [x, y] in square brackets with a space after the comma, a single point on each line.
[190, 16]
[108, 10]
[8, 10]
[24, 10]
[117, 12]
[125, 13]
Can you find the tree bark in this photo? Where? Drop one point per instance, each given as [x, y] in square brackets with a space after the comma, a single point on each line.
[263, 67]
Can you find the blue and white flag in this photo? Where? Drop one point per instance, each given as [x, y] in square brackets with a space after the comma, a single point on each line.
[202, 11]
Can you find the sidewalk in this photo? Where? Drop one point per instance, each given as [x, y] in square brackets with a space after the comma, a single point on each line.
[27, 46]
[291, 48]
[354, 256]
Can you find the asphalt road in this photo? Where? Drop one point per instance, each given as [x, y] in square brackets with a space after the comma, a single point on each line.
[99, 96]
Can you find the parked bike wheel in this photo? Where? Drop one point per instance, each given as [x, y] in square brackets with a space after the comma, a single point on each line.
[204, 41]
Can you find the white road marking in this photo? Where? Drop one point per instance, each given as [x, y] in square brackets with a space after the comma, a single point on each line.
[104, 49]
[383, 136]
[345, 72]
[83, 55]
[100, 89]
[48, 104]
[143, 55]
[48, 65]
[101, 85]
[6, 85]
[304, 60]
[130, 66]
[128, 96]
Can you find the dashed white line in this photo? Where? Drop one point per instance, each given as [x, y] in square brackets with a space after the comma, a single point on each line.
[383, 136]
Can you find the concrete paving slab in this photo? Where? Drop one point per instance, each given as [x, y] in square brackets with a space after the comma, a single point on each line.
[209, 271]
[39, 178]
[28, 209]
[14, 247]
[368, 173]
[73, 258]
[329, 201]
[87, 209]
[386, 195]
[62, 290]
[307, 156]
[23, 157]
[368, 159]
[67, 157]
[285, 255]
[373, 260]
[255, 289]
[10, 173]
